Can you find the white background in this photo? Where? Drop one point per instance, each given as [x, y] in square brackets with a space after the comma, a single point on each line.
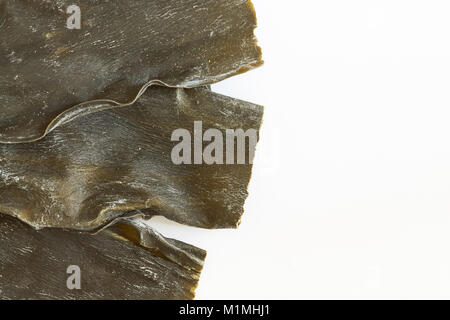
[350, 196]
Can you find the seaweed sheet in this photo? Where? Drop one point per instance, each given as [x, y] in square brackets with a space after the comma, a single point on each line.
[127, 261]
[50, 74]
[91, 170]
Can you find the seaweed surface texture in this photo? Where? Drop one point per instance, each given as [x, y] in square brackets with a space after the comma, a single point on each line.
[89, 171]
[105, 126]
[127, 261]
[50, 74]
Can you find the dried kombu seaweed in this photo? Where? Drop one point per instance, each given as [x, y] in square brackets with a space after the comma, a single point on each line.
[50, 74]
[127, 261]
[90, 129]
[89, 171]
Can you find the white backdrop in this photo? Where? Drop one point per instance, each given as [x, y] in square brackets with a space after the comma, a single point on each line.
[350, 196]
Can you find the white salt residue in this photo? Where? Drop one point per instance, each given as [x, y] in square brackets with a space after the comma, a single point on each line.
[13, 58]
[8, 178]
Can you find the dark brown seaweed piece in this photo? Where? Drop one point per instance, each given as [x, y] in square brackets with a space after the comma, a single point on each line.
[127, 261]
[50, 74]
[89, 171]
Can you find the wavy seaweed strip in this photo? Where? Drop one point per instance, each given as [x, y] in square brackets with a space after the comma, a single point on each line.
[88, 172]
[50, 74]
[126, 261]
